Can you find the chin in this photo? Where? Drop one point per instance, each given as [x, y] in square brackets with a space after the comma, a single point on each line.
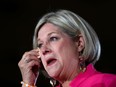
[54, 73]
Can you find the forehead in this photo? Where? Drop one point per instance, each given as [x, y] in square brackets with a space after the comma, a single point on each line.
[48, 29]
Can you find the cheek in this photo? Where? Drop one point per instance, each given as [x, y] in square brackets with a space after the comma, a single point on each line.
[43, 62]
[65, 50]
[59, 48]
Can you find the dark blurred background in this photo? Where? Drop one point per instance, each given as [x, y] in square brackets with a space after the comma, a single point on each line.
[18, 19]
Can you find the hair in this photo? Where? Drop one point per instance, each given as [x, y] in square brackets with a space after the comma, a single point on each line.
[73, 25]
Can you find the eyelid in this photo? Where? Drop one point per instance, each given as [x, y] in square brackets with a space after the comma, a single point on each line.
[54, 38]
[39, 45]
[50, 38]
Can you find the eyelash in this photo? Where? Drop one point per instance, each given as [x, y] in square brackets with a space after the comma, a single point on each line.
[39, 45]
[54, 38]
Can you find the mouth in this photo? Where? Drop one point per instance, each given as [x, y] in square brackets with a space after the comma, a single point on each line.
[51, 61]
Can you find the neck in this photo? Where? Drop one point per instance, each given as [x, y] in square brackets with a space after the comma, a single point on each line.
[66, 81]
[68, 77]
[66, 84]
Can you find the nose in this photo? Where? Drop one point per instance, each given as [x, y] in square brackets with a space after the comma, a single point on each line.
[45, 49]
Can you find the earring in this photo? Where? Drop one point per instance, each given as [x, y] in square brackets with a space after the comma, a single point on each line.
[82, 64]
[81, 68]
[53, 82]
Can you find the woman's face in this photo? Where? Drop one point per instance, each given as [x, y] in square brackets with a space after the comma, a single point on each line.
[58, 51]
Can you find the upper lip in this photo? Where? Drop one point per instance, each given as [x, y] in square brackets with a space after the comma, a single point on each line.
[49, 59]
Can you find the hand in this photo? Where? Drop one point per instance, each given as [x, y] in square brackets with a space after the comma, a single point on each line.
[29, 66]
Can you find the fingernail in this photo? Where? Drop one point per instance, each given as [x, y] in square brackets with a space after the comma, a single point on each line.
[38, 56]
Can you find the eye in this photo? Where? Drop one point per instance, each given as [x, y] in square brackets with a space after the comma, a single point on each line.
[39, 45]
[54, 38]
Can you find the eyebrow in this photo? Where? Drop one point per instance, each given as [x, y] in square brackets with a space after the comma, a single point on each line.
[49, 34]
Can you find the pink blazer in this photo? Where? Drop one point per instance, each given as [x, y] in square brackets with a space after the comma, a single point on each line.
[93, 78]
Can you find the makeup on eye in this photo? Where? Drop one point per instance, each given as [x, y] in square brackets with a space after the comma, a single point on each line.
[53, 38]
[39, 45]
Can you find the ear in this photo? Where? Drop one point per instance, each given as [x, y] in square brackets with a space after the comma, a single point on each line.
[80, 43]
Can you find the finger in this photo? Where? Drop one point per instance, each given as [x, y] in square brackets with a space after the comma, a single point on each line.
[38, 51]
[32, 65]
[35, 52]
[30, 55]
[31, 58]
[27, 57]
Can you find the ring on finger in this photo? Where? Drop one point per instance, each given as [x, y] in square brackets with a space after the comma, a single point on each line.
[26, 60]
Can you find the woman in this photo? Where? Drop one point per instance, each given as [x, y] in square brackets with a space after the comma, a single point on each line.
[67, 47]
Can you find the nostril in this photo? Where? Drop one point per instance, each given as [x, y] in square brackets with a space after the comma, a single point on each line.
[45, 52]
